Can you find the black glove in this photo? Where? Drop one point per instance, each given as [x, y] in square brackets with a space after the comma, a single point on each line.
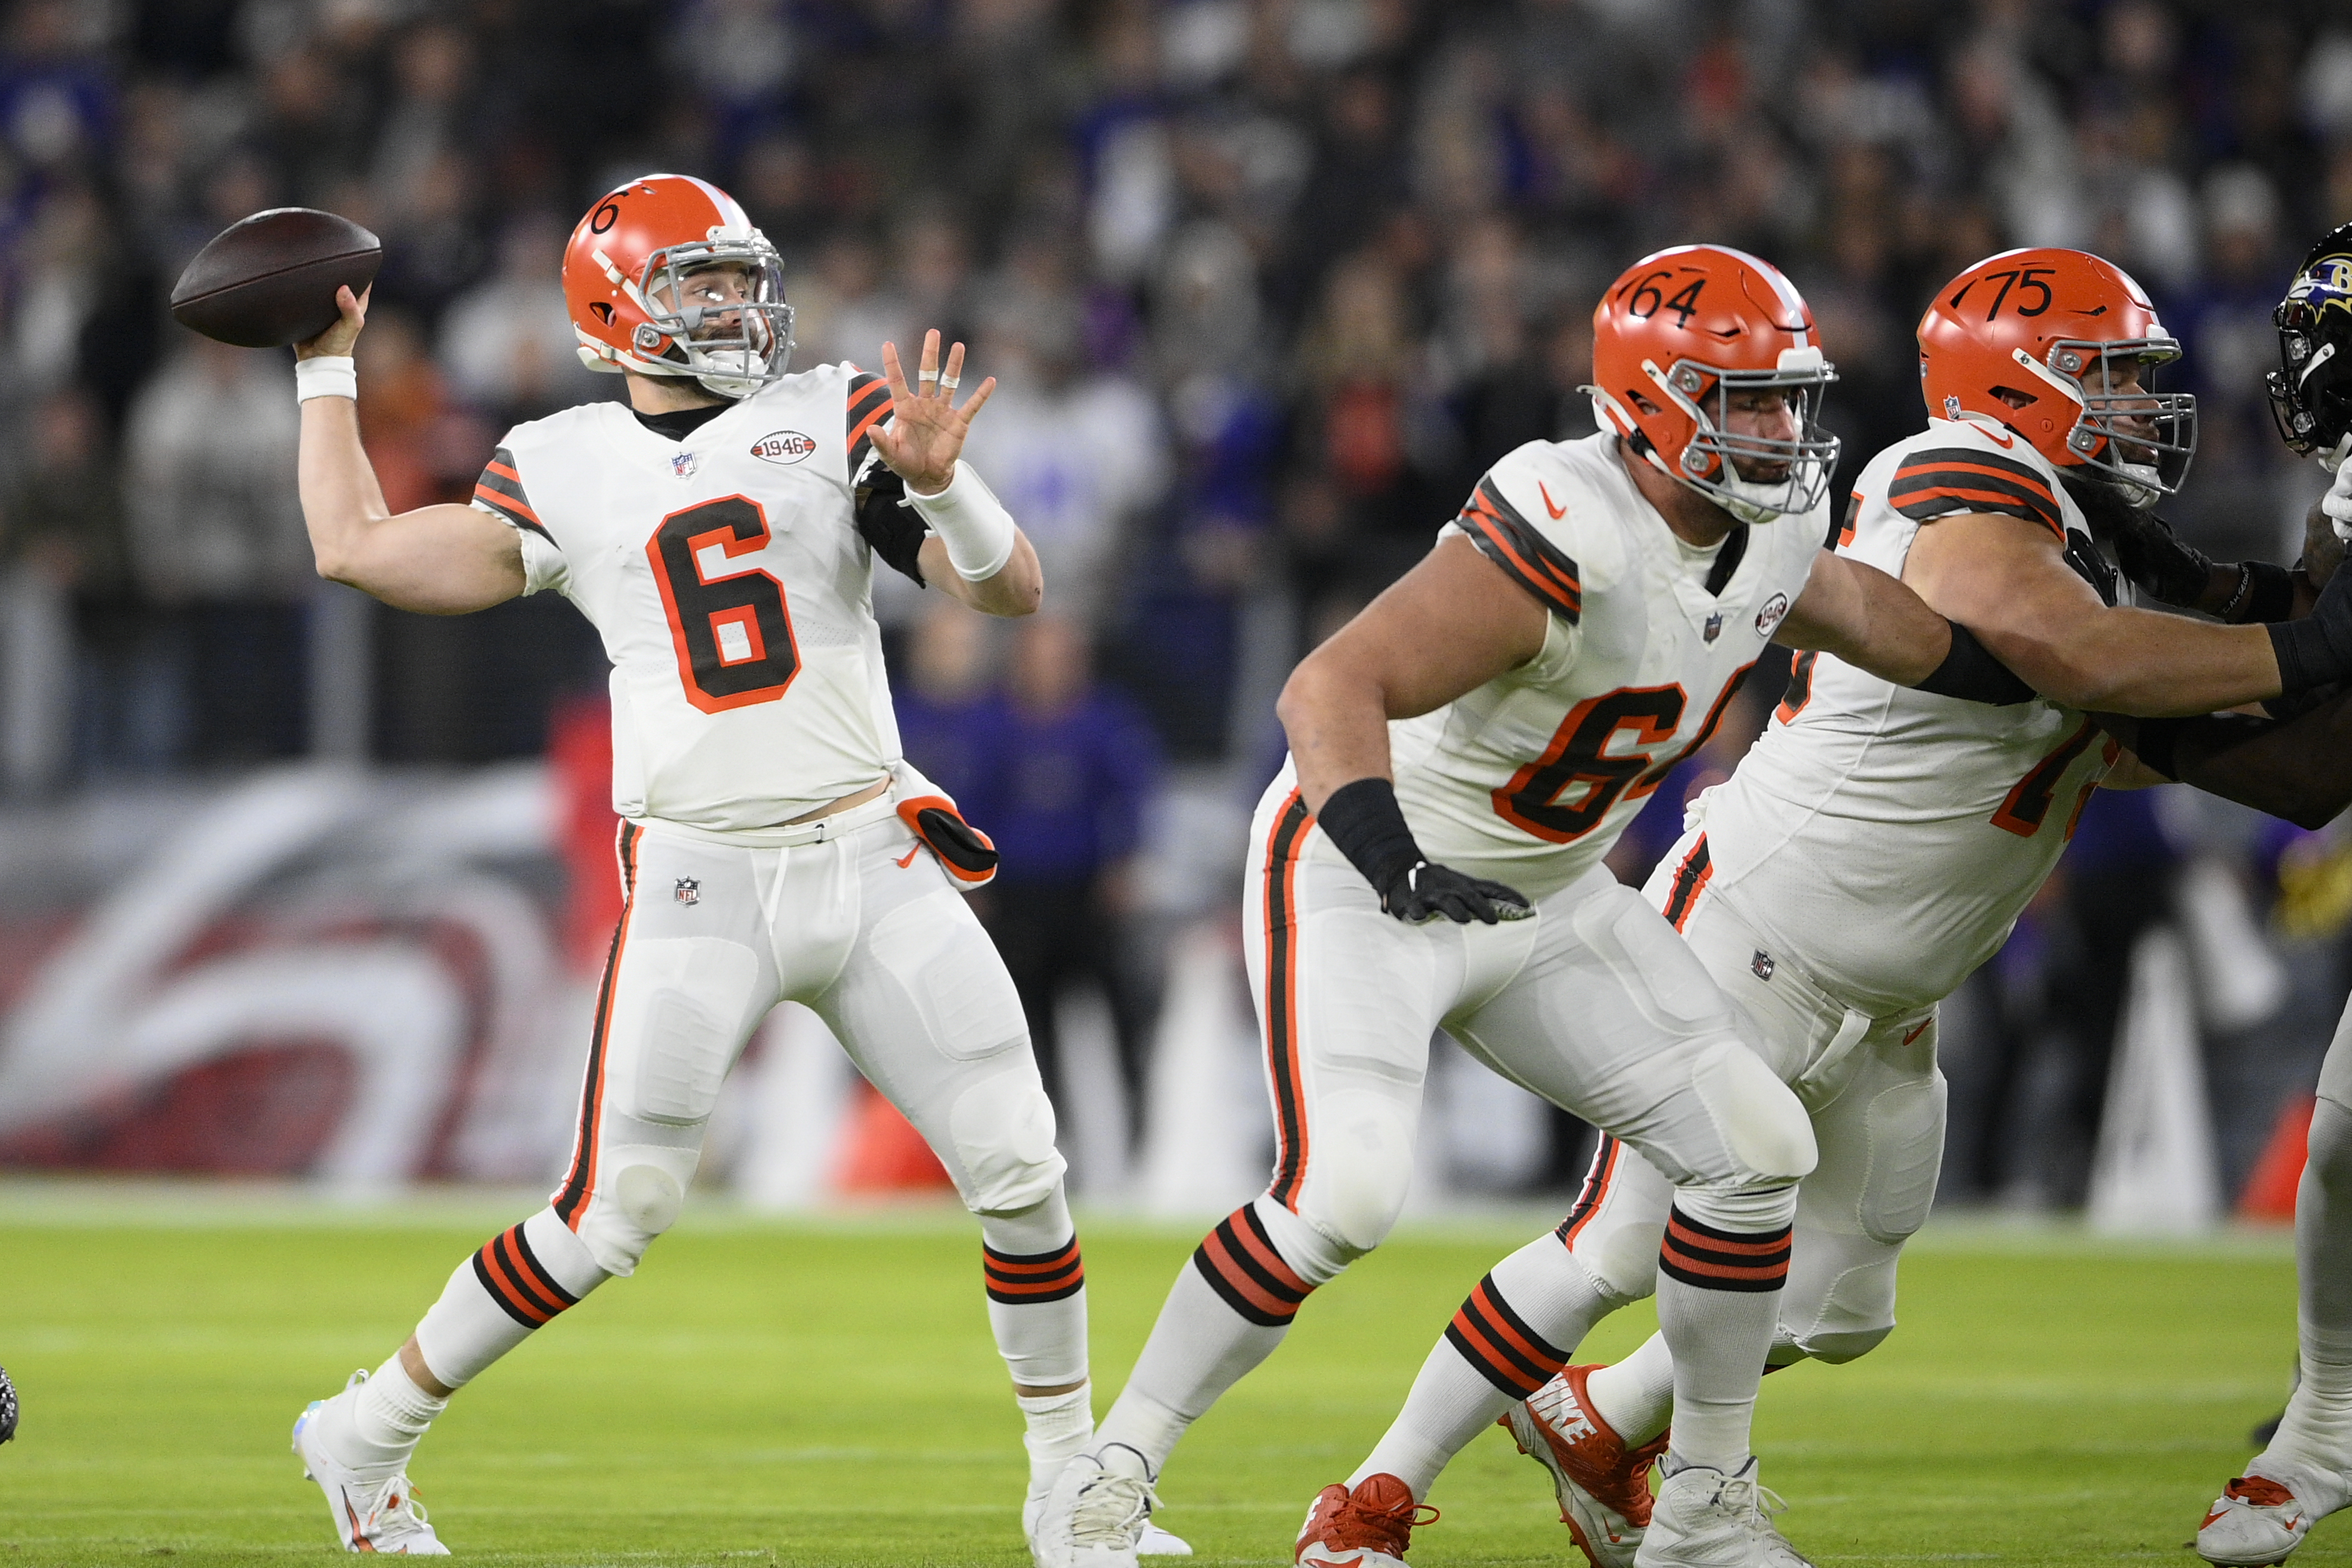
[1364, 821]
[2317, 650]
[2160, 561]
[1423, 891]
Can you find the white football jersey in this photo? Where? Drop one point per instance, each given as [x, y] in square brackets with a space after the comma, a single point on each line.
[1885, 838]
[733, 589]
[1531, 778]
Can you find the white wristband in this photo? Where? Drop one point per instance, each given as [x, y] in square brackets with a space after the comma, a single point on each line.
[972, 522]
[326, 376]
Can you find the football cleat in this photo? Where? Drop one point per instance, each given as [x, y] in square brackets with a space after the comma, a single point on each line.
[380, 1515]
[1096, 1513]
[1157, 1542]
[1604, 1486]
[1705, 1519]
[2255, 1522]
[1369, 1527]
[1153, 1543]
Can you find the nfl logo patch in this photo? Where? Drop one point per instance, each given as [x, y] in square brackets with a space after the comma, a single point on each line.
[1714, 626]
[1762, 964]
[683, 465]
[689, 891]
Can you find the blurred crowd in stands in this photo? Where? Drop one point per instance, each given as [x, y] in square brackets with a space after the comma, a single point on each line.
[1267, 284]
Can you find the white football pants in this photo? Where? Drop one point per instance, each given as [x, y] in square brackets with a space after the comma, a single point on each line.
[1876, 1101]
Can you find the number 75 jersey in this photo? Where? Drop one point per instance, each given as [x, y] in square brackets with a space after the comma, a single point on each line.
[731, 587]
[1531, 778]
[1887, 839]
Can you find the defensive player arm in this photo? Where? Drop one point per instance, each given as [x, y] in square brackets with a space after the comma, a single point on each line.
[2007, 581]
[437, 560]
[2299, 769]
[1448, 627]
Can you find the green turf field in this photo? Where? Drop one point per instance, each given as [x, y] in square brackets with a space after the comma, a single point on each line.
[824, 1392]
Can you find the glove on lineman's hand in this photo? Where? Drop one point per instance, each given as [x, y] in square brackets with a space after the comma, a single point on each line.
[2160, 561]
[1422, 892]
[2317, 650]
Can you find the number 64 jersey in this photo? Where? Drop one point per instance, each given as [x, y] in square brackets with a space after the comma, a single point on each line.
[1531, 778]
[733, 589]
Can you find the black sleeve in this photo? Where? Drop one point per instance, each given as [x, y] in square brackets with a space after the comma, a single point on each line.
[894, 530]
[1970, 673]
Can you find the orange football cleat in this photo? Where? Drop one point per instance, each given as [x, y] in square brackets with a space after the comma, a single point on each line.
[1604, 1486]
[1368, 1528]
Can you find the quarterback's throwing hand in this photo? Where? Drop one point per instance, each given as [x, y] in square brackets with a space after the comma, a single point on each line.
[926, 429]
[1423, 892]
[336, 341]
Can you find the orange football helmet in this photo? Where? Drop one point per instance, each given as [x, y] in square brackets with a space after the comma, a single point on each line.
[627, 275]
[2041, 341]
[1674, 337]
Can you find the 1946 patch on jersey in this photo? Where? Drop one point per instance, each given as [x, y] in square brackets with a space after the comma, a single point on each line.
[1769, 615]
[784, 446]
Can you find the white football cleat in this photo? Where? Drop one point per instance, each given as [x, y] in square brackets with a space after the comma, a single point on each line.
[1705, 1519]
[1157, 1542]
[1098, 1512]
[1153, 1543]
[2255, 1523]
[370, 1516]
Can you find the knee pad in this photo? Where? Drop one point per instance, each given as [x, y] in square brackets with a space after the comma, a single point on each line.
[1905, 1126]
[1838, 1349]
[2331, 1144]
[1313, 1256]
[639, 1196]
[1001, 1130]
[1359, 1169]
[1763, 1124]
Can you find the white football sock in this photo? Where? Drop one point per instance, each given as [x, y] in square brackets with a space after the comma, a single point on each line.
[518, 1280]
[2316, 1431]
[1719, 1305]
[374, 1428]
[1229, 1307]
[1636, 1396]
[1037, 1293]
[1059, 1427]
[1514, 1332]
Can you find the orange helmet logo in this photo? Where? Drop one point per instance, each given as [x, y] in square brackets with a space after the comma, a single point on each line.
[2060, 347]
[1705, 363]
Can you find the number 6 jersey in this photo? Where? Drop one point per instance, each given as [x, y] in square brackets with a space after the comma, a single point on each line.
[728, 576]
[1887, 838]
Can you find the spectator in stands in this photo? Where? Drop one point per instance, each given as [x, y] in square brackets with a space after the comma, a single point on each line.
[216, 536]
[1073, 770]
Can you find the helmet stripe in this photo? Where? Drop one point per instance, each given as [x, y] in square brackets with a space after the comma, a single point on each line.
[730, 215]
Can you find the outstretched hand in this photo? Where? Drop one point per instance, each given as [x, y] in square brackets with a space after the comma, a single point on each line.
[926, 430]
[336, 341]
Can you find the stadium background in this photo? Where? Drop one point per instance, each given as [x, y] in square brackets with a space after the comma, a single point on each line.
[294, 885]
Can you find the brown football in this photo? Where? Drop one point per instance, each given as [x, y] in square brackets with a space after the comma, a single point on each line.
[270, 279]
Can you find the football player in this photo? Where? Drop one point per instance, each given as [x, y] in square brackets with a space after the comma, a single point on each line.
[1876, 845]
[2305, 1473]
[1463, 756]
[720, 529]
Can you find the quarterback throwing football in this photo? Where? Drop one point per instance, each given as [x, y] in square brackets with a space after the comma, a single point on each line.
[720, 529]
